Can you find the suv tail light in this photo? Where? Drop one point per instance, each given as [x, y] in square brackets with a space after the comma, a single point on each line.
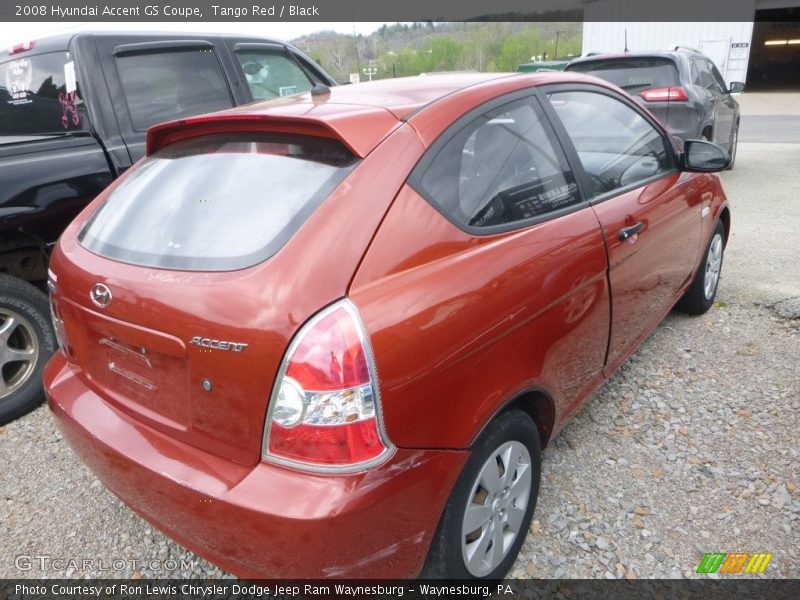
[324, 413]
[22, 48]
[667, 94]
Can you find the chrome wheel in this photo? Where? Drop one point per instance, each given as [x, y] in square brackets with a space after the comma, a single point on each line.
[496, 508]
[713, 266]
[19, 350]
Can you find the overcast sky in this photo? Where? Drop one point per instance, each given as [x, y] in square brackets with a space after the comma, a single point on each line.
[14, 33]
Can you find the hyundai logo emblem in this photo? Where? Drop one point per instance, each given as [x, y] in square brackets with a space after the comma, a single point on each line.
[100, 295]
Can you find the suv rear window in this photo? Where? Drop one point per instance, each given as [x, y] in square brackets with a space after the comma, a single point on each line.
[631, 73]
[39, 96]
[216, 203]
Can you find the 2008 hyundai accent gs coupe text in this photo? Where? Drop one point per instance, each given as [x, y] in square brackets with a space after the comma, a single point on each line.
[329, 334]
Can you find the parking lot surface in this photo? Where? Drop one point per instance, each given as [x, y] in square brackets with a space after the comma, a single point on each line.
[691, 448]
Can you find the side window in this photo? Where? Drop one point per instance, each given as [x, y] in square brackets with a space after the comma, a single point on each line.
[718, 79]
[701, 75]
[695, 72]
[272, 74]
[161, 86]
[503, 167]
[39, 95]
[617, 146]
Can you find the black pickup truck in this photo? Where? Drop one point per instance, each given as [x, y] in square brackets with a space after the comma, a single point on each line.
[74, 111]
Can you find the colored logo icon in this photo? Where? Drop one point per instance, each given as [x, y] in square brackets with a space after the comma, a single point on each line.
[735, 562]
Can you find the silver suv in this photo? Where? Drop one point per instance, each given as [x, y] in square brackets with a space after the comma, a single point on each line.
[681, 87]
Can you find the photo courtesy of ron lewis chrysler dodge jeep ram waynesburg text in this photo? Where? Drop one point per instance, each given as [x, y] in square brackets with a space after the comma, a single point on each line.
[329, 335]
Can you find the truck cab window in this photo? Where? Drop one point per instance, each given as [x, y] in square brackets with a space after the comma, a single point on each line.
[272, 74]
[39, 95]
[162, 86]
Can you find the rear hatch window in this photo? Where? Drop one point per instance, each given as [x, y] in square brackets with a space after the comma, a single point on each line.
[216, 203]
[39, 96]
[632, 74]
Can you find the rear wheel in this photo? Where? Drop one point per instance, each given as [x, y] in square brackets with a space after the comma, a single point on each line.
[734, 143]
[27, 341]
[487, 516]
[700, 295]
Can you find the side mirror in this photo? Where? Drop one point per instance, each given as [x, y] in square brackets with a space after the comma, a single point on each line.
[704, 157]
[736, 87]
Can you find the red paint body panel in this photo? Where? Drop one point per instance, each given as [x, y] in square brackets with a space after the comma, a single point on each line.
[262, 521]
[459, 326]
[649, 270]
[276, 295]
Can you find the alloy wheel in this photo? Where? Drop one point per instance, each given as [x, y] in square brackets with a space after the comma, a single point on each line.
[496, 508]
[713, 266]
[19, 350]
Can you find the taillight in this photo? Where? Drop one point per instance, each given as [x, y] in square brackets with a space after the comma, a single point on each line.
[667, 94]
[22, 47]
[324, 411]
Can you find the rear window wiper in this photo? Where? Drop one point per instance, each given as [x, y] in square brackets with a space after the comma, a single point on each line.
[635, 85]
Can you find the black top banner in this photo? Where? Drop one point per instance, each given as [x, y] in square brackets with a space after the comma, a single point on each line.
[375, 10]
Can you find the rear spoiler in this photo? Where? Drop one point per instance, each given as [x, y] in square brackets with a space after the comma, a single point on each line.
[359, 130]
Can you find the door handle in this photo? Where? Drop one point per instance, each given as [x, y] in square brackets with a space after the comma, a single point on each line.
[627, 232]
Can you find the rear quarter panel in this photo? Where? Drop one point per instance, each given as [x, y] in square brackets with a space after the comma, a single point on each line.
[461, 324]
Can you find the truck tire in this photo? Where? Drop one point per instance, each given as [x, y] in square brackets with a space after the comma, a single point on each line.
[27, 340]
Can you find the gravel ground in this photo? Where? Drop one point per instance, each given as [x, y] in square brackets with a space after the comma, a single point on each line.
[691, 448]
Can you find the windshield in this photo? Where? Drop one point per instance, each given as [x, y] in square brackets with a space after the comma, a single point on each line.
[39, 96]
[216, 203]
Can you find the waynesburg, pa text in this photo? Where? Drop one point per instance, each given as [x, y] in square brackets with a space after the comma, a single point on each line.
[254, 590]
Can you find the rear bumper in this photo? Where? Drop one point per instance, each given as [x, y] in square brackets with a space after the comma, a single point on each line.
[263, 520]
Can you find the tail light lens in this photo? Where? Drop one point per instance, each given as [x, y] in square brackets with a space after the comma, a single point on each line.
[22, 47]
[325, 407]
[667, 94]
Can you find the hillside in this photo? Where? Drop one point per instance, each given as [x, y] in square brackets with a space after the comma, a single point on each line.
[423, 47]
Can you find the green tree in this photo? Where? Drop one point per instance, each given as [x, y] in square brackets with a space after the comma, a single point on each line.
[518, 49]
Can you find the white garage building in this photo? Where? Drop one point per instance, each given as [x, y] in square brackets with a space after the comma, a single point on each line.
[764, 52]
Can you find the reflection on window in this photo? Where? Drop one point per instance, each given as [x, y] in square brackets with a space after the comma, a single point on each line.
[616, 145]
[36, 97]
[171, 85]
[272, 74]
[501, 168]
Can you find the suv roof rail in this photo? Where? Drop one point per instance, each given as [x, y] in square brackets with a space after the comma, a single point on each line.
[689, 48]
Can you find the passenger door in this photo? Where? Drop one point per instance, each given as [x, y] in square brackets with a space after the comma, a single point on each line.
[651, 220]
[713, 92]
[725, 109]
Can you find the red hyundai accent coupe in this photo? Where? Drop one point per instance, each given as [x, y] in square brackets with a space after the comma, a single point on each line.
[329, 335]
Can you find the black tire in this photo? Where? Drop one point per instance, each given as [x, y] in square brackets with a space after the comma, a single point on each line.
[699, 298]
[734, 144]
[447, 555]
[25, 331]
